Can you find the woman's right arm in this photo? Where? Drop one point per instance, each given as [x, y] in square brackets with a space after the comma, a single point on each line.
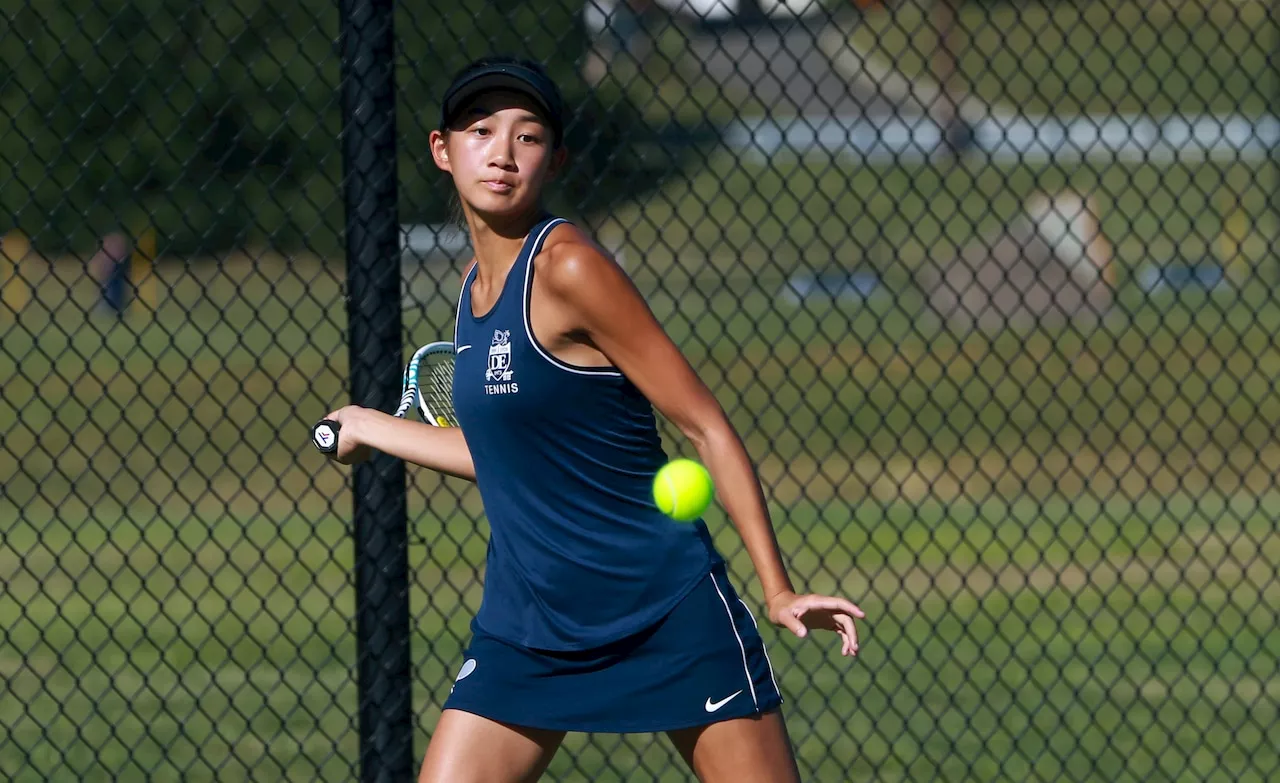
[441, 449]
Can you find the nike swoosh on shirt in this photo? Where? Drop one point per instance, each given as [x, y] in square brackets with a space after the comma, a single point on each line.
[460, 349]
[712, 706]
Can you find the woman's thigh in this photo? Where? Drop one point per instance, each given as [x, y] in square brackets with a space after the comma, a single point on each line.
[466, 748]
[742, 750]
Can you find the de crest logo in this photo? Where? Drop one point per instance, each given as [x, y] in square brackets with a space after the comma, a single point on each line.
[498, 374]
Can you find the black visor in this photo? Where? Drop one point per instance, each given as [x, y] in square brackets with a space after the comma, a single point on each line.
[505, 76]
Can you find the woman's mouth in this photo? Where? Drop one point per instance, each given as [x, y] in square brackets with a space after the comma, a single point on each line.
[498, 186]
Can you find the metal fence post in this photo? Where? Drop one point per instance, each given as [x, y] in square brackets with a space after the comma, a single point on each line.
[373, 306]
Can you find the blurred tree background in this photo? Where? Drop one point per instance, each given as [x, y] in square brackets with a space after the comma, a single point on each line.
[218, 122]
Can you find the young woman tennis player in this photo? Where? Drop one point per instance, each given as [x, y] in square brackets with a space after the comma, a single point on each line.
[599, 613]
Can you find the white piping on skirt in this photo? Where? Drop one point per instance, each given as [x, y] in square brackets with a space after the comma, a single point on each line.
[745, 668]
[765, 649]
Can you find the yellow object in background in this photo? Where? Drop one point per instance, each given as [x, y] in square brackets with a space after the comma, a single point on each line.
[15, 290]
[142, 272]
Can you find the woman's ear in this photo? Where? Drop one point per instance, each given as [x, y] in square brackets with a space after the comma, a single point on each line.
[440, 150]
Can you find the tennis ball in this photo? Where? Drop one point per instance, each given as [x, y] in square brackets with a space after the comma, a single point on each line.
[683, 489]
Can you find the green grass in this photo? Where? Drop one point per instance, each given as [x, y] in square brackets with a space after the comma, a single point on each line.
[1117, 640]
[741, 215]
[1070, 57]
[202, 647]
[187, 410]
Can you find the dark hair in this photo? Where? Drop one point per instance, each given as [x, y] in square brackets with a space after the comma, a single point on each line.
[505, 73]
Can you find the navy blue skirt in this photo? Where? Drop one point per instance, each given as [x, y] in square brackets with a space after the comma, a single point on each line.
[702, 663]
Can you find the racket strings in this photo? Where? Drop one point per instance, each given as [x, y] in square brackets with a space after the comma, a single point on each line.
[438, 391]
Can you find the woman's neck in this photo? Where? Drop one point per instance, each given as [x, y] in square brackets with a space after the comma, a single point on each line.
[497, 243]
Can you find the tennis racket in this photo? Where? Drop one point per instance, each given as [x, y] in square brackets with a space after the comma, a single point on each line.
[427, 381]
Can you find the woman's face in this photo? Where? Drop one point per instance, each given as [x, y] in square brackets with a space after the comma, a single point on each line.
[500, 151]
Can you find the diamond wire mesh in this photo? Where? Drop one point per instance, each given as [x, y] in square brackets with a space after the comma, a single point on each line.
[986, 288]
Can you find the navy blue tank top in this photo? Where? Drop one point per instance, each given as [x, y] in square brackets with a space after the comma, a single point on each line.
[565, 456]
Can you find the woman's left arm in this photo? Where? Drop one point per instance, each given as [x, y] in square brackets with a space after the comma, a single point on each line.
[614, 317]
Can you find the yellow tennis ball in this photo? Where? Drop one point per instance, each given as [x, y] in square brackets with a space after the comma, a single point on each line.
[683, 489]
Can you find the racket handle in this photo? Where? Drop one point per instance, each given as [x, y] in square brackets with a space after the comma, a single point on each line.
[324, 435]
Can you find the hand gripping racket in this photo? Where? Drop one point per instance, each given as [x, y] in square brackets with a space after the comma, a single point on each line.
[427, 380]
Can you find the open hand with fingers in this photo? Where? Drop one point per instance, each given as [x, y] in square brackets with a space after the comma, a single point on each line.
[801, 613]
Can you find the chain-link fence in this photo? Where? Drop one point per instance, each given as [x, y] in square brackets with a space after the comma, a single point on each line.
[987, 288]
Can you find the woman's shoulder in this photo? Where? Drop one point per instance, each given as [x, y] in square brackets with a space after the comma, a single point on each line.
[579, 273]
[569, 251]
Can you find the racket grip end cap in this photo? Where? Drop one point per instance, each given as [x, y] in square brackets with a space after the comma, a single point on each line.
[324, 435]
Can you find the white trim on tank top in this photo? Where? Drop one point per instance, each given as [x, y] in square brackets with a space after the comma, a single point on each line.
[457, 315]
[524, 311]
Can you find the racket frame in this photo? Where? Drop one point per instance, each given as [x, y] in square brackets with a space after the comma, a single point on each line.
[324, 434]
